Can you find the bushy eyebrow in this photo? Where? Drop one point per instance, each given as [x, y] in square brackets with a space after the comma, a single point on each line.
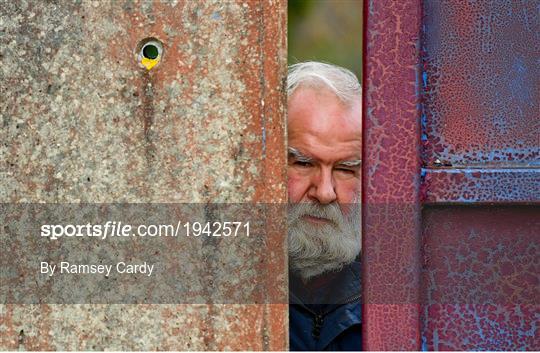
[293, 152]
[351, 163]
[300, 157]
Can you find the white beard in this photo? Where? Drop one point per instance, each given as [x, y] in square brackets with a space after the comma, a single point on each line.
[318, 248]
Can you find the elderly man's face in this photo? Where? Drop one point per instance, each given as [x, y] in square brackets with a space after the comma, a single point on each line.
[327, 137]
[324, 173]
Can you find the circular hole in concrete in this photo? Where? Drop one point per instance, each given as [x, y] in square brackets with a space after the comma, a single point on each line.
[150, 51]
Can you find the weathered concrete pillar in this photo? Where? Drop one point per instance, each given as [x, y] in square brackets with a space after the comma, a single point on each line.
[82, 121]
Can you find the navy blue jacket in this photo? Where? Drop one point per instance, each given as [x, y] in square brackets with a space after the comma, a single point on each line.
[325, 314]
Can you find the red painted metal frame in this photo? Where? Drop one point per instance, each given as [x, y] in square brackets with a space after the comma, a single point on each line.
[391, 180]
[481, 180]
[480, 186]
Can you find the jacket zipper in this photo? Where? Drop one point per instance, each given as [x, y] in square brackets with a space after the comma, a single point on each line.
[318, 319]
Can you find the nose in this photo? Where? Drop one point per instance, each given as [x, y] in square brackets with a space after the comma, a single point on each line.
[322, 187]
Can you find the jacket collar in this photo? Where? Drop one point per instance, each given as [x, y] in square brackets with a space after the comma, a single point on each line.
[330, 290]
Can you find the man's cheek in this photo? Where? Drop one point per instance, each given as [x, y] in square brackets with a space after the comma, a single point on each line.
[351, 192]
[297, 187]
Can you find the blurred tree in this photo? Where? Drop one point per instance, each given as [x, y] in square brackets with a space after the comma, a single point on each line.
[326, 30]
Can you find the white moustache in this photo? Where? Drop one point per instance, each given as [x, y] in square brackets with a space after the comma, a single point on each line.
[330, 212]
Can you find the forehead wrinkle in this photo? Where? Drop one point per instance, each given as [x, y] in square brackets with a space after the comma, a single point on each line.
[322, 136]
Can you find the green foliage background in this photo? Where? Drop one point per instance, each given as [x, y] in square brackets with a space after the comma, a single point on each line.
[326, 30]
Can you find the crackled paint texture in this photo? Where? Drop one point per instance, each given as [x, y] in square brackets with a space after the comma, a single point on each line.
[482, 86]
[474, 185]
[391, 176]
[480, 278]
[82, 122]
[481, 154]
[454, 85]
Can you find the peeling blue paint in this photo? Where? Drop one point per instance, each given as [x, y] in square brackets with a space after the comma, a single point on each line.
[424, 344]
[423, 122]
[519, 82]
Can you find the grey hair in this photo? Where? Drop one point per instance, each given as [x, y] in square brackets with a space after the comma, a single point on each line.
[342, 82]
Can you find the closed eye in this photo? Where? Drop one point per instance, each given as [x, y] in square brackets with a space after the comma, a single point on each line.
[302, 164]
[346, 170]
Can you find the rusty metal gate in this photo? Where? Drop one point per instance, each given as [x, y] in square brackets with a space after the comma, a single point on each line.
[452, 175]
